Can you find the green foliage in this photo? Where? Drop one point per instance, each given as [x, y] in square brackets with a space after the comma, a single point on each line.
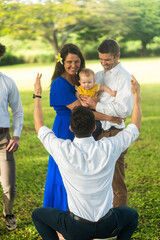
[40, 51]
[145, 24]
[26, 51]
[90, 51]
[91, 20]
[10, 59]
[52, 20]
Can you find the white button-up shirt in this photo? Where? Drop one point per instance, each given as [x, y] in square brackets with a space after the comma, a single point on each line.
[9, 95]
[87, 168]
[118, 79]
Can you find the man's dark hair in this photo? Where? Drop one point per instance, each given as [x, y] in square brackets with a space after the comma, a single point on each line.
[109, 46]
[82, 121]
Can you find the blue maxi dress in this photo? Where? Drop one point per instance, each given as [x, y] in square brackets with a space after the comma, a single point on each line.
[62, 93]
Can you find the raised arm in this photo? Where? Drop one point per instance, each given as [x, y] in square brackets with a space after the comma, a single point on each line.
[38, 113]
[137, 112]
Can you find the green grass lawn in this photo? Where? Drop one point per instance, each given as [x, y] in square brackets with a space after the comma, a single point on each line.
[142, 172]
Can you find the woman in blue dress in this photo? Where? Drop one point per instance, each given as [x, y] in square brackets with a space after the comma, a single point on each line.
[62, 98]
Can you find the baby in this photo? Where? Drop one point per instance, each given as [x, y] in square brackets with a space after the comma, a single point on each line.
[88, 86]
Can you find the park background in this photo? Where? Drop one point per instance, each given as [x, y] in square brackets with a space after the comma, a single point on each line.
[33, 32]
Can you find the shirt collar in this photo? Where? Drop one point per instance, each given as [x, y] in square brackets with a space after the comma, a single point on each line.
[86, 140]
[115, 69]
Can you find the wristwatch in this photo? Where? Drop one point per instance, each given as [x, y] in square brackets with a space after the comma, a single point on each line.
[37, 96]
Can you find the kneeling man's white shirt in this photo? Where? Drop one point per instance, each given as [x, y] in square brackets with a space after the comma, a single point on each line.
[87, 168]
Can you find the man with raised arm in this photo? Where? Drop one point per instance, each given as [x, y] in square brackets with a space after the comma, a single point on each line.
[87, 168]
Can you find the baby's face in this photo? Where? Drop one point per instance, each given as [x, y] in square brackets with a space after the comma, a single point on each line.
[86, 82]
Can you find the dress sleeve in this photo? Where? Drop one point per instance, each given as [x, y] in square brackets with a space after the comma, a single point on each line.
[62, 92]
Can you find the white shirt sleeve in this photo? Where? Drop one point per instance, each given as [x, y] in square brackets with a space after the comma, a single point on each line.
[123, 140]
[51, 143]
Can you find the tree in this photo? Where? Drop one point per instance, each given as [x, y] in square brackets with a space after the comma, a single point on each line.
[107, 21]
[90, 20]
[145, 24]
[53, 20]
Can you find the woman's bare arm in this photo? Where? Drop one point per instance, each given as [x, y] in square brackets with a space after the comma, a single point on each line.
[74, 104]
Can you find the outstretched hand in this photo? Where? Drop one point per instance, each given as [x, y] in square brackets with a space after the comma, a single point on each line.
[37, 85]
[135, 86]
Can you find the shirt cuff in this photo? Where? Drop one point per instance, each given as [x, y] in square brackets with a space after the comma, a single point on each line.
[17, 132]
[134, 129]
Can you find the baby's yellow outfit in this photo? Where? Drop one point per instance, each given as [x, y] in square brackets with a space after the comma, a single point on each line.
[90, 92]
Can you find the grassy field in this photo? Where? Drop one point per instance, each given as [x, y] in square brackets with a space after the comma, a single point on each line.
[142, 172]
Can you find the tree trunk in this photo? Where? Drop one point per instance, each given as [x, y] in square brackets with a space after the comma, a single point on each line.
[53, 41]
[144, 49]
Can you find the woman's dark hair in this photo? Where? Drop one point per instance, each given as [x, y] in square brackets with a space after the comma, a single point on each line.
[2, 50]
[68, 48]
[82, 121]
[109, 46]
